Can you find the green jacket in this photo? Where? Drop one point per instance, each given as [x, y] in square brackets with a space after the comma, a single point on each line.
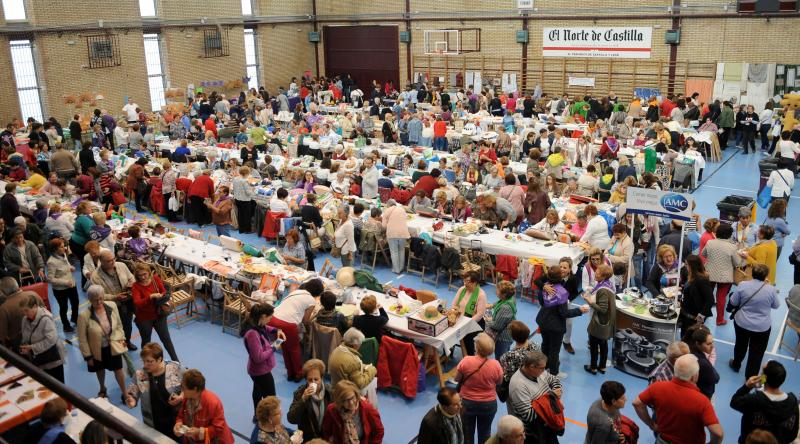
[726, 118]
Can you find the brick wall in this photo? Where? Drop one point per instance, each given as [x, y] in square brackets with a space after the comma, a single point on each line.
[284, 50]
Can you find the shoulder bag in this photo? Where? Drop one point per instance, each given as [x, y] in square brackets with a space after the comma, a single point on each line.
[50, 355]
[733, 309]
[461, 382]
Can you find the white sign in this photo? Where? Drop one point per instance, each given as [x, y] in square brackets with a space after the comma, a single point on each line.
[524, 4]
[601, 42]
[659, 203]
[581, 81]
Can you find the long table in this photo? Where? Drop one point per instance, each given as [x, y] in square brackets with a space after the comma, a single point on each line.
[79, 420]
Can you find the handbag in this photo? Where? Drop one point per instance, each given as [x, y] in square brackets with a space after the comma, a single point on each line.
[764, 196]
[52, 354]
[742, 274]
[336, 251]
[118, 198]
[163, 304]
[502, 390]
[733, 309]
[461, 382]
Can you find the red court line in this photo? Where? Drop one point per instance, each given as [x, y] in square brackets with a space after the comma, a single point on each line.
[592, 48]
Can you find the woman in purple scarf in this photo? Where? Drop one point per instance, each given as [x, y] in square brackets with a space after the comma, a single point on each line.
[137, 248]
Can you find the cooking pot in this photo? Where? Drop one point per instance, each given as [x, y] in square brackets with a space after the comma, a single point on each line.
[660, 306]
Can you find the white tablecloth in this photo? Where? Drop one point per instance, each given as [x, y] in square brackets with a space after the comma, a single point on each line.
[79, 420]
[494, 242]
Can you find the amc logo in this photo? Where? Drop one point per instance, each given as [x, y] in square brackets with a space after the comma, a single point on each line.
[674, 203]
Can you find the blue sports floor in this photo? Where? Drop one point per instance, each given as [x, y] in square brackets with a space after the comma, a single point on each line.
[222, 357]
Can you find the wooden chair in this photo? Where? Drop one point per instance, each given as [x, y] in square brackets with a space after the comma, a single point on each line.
[180, 288]
[412, 258]
[233, 305]
[327, 269]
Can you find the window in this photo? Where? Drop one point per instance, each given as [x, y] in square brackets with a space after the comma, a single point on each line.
[155, 70]
[251, 57]
[247, 7]
[147, 8]
[215, 42]
[30, 102]
[103, 51]
[14, 9]
[762, 6]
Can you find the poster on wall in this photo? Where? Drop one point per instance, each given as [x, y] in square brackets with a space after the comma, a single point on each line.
[601, 42]
[581, 81]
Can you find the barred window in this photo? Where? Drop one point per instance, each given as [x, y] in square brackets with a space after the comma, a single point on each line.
[103, 51]
[215, 42]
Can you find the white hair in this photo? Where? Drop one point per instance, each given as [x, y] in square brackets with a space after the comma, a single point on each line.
[507, 425]
[95, 291]
[353, 337]
[686, 367]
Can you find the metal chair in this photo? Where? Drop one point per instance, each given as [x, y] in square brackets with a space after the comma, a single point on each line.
[789, 325]
[378, 249]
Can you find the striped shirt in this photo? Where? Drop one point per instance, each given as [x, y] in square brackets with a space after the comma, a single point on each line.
[523, 390]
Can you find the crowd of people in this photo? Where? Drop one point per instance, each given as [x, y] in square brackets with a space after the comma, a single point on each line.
[501, 363]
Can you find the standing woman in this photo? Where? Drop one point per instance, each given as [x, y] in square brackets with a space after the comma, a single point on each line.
[470, 300]
[752, 322]
[765, 251]
[243, 196]
[776, 218]
[698, 295]
[221, 211]
[83, 228]
[701, 344]
[710, 228]
[722, 258]
[260, 352]
[395, 222]
[158, 386]
[351, 419]
[622, 249]
[135, 182]
[40, 341]
[479, 376]
[604, 318]
[344, 236]
[59, 274]
[503, 313]
[101, 339]
[148, 294]
[311, 400]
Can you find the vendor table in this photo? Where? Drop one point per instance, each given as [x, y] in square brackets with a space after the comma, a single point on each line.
[80, 420]
[21, 399]
[641, 339]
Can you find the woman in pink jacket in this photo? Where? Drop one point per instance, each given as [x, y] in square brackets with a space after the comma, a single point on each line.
[395, 222]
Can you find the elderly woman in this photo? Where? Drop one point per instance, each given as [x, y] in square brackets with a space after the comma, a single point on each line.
[470, 300]
[479, 375]
[596, 258]
[59, 275]
[510, 430]
[137, 248]
[51, 188]
[294, 251]
[350, 418]
[752, 323]
[461, 211]
[221, 211]
[40, 341]
[665, 271]
[721, 254]
[485, 210]
[395, 222]
[420, 199]
[536, 202]
[57, 225]
[373, 319]
[442, 205]
[618, 195]
[310, 401]
[151, 304]
[344, 237]
[101, 339]
[200, 417]
[547, 228]
[602, 324]
[268, 429]
[493, 179]
[83, 225]
[504, 312]
[709, 229]
[22, 257]
[621, 249]
[345, 362]
[764, 251]
[341, 184]
[102, 232]
[160, 378]
[698, 296]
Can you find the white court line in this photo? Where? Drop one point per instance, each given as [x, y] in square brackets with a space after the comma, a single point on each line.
[776, 346]
[736, 189]
[722, 341]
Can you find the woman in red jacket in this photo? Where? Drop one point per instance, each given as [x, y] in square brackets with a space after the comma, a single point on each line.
[201, 189]
[148, 297]
[201, 418]
[338, 424]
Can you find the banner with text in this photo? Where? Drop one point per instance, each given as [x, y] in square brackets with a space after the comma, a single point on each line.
[659, 203]
[601, 42]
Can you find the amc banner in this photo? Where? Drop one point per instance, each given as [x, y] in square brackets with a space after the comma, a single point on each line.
[601, 42]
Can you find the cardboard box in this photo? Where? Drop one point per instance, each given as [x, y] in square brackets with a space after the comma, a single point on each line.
[427, 327]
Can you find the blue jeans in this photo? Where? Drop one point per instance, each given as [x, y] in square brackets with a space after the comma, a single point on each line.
[480, 414]
[440, 143]
[397, 250]
[223, 230]
[500, 348]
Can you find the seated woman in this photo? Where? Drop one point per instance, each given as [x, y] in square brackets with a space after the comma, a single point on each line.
[619, 194]
[101, 232]
[374, 225]
[294, 251]
[52, 187]
[548, 227]
[35, 180]
[307, 182]
[340, 185]
[373, 319]
[57, 225]
[137, 248]
[419, 200]
[460, 210]
[442, 204]
[328, 316]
